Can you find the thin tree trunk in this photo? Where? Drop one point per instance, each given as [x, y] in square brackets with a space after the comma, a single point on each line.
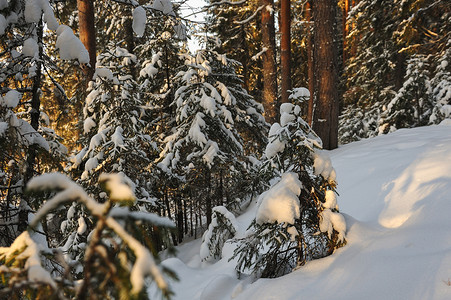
[86, 25]
[269, 62]
[346, 8]
[178, 201]
[326, 104]
[35, 106]
[208, 201]
[191, 217]
[185, 217]
[285, 49]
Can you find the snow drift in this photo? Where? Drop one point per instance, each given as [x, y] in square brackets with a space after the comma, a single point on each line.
[395, 195]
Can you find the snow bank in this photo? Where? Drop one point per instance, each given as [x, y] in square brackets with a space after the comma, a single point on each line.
[401, 180]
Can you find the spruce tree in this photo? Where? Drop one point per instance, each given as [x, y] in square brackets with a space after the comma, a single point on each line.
[204, 150]
[309, 225]
[412, 105]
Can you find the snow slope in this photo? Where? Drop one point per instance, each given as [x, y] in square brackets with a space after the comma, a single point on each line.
[395, 192]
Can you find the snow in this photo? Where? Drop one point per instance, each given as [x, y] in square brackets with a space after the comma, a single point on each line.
[280, 204]
[69, 191]
[211, 153]
[195, 132]
[91, 164]
[11, 99]
[139, 21]
[3, 24]
[275, 145]
[33, 10]
[117, 138]
[25, 248]
[3, 4]
[299, 93]
[81, 225]
[394, 197]
[30, 135]
[323, 166]
[164, 6]
[144, 264]
[3, 127]
[88, 124]
[117, 186]
[120, 212]
[104, 73]
[70, 47]
[30, 48]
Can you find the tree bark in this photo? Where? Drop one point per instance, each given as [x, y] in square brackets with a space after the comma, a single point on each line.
[325, 96]
[346, 8]
[35, 112]
[269, 61]
[208, 200]
[311, 79]
[285, 49]
[86, 26]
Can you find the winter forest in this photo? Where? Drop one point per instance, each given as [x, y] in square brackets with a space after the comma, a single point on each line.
[124, 149]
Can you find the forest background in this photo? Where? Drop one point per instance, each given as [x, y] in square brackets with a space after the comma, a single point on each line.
[116, 90]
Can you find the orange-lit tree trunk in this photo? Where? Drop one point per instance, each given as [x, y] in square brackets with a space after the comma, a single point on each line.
[311, 80]
[285, 49]
[87, 33]
[269, 61]
[325, 96]
[346, 8]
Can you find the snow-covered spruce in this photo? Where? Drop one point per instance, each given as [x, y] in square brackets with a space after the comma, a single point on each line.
[115, 262]
[441, 87]
[412, 105]
[223, 227]
[204, 148]
[28, 145]
[297, 219]
[115, 136]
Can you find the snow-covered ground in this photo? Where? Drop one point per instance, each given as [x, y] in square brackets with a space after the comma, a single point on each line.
[395, 192]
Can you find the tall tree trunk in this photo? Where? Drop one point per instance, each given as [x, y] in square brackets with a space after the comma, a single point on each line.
[346, 7]
[269, 61]
[130, 41]
[86, 26]
[185, 216]
[325, 96]
[311, 79]
[180, 223]
[285, 49]
[208, 202]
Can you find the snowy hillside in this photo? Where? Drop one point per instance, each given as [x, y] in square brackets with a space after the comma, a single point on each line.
[395, 192]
